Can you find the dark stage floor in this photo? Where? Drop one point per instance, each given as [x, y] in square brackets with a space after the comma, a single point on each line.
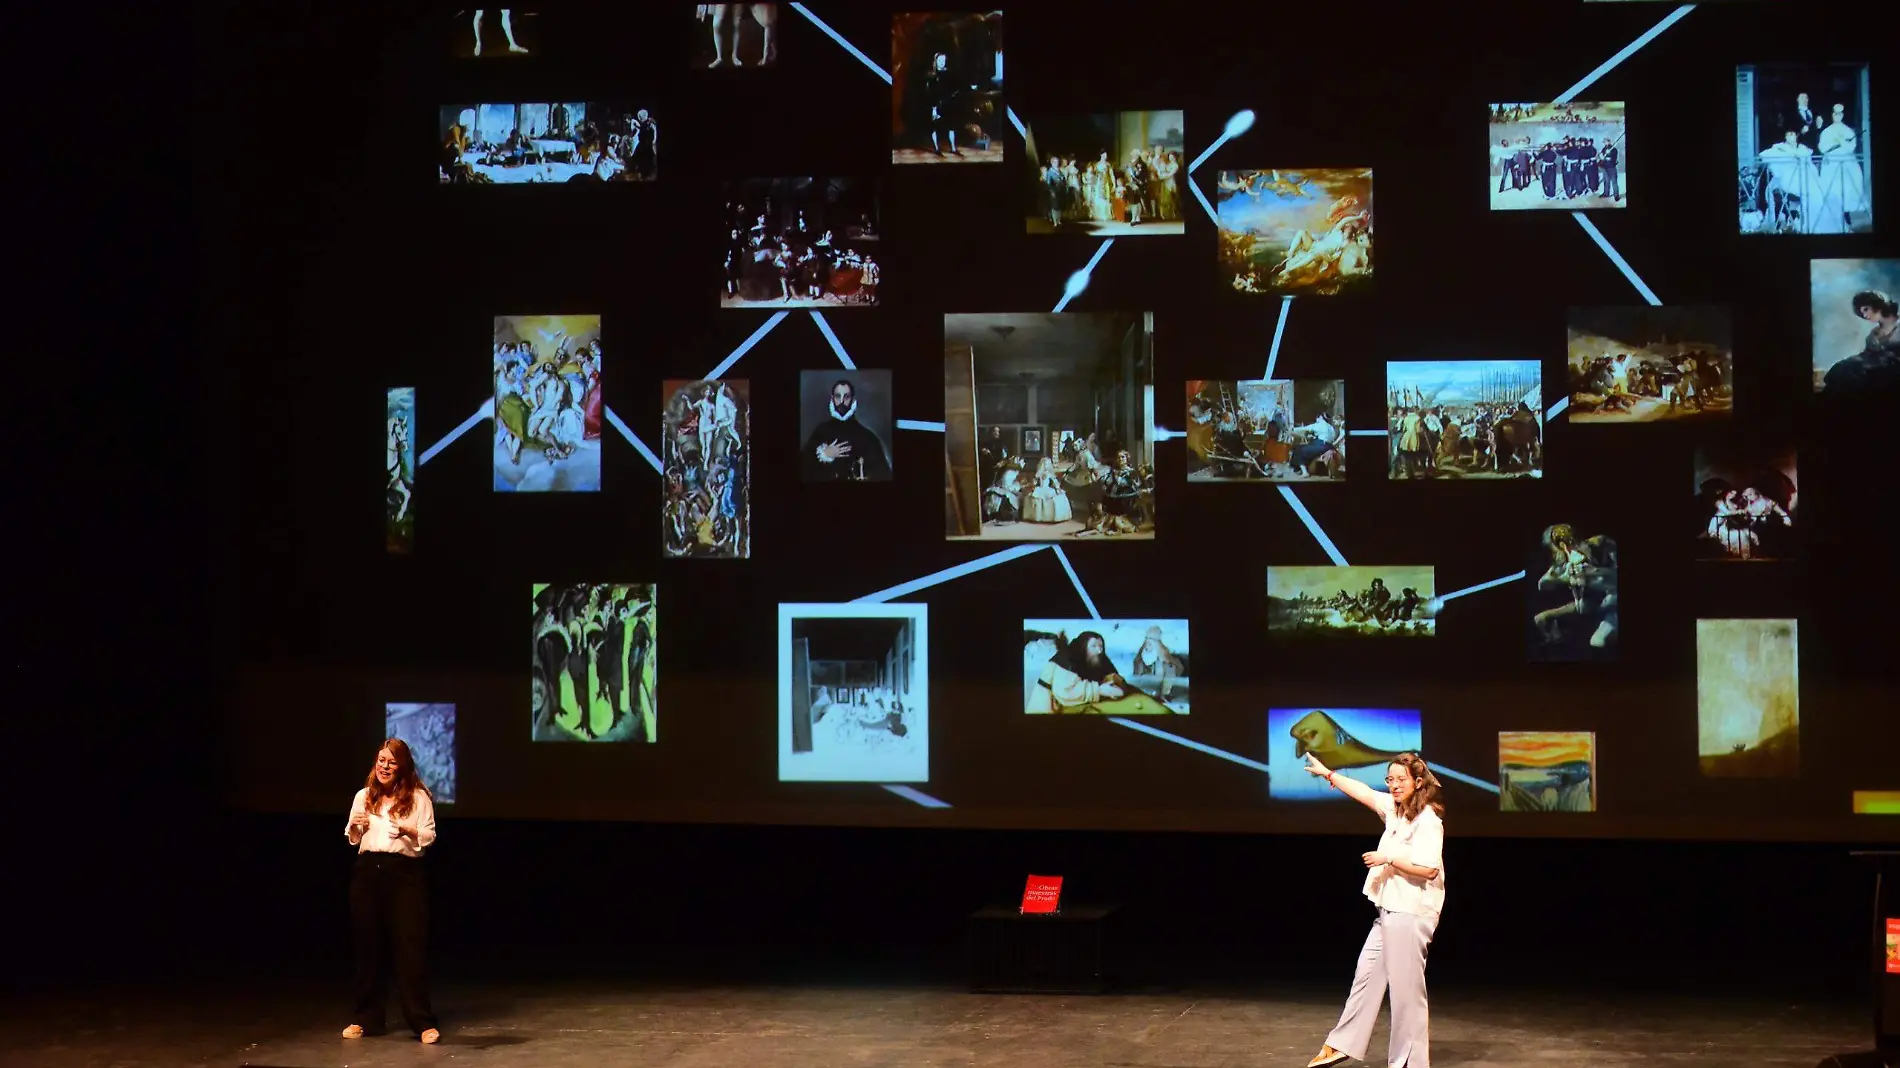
[548, 1024]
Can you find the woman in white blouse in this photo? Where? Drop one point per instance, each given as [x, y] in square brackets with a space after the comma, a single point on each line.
[392, 821]
[1406, 880]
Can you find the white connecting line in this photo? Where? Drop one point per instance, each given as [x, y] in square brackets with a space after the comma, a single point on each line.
[1616, 258]
[1273, 354]
[1237, 123]
[746, 346]
[1076, 285]
[1571, 94]
[1079, 281]
[487, 410]
[844, 358]
[842, 43]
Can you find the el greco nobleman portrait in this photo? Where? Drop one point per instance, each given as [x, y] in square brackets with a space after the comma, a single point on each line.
[844, 422]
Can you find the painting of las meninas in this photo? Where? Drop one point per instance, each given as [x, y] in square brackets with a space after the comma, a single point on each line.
[548, 403]
[1080, 388]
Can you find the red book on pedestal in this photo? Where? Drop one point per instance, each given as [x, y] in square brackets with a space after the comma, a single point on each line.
[1043, 895]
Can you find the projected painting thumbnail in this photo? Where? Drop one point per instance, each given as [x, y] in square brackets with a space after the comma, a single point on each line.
[1305, 231]
[1547, 771]
[1452, 419]
[548, 404]
[1570, 596]
[429, 732]
[736, 36]
[1569, 157]
[399, 489]
[1116, 174]
[844, 425]
[947, 87]
[1358, 743]
[1747, 498]
[595, 663]
[1648, 365]
[1878, 803]
[1748, 696]
[1851, 296]
[553, 141]
[1804, 148]
[1278, 430]
[1351, 601]
[1048, 426]
[801, 243]
[854, 682]
[1110, 667]
[490, 33]
[706, 454]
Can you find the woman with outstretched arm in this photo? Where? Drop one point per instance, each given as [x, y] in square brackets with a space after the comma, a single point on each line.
[1405, 878]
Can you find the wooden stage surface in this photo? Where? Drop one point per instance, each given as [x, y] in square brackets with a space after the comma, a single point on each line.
[556, 1024]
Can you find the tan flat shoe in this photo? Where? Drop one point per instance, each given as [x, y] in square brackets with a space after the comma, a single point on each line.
[353, 1031]
[431, 1037]
[1327, 1056]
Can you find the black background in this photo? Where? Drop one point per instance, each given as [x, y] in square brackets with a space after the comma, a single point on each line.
[322, 277]
[416, 271]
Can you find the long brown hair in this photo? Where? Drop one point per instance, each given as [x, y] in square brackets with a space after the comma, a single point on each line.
[1425, 787]
[403, 787]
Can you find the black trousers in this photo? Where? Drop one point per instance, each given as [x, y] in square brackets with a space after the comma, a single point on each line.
[389, 913]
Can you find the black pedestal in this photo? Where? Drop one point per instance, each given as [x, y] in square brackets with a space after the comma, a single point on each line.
[1067, 953]
[1886, 867]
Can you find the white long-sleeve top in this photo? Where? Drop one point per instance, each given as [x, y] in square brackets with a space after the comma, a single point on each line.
[384, 834]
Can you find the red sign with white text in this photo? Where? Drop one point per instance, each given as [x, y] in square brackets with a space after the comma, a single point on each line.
[1044, 893]
[1893, 947]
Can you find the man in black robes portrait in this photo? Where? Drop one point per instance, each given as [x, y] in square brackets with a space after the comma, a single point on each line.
[841, 449]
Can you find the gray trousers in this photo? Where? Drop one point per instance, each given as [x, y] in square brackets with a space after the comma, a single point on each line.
[1394, 955]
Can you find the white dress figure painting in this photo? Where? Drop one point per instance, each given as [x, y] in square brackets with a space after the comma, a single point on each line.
[1842, 184]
